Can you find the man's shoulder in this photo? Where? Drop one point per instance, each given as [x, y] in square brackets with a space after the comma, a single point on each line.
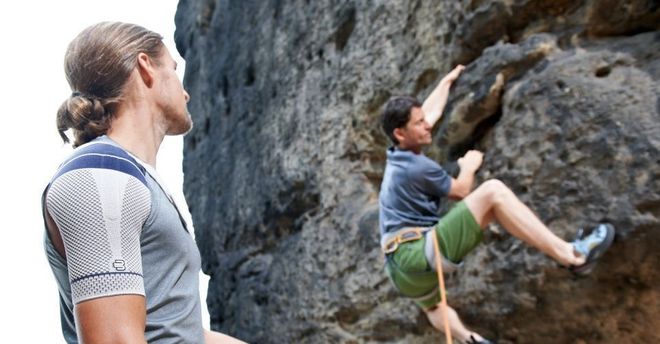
[411, 168]
[99, 154]
[401, 155]
[422, 163]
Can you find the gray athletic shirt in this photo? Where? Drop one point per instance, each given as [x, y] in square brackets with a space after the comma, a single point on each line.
[411, 191]
[123, 235]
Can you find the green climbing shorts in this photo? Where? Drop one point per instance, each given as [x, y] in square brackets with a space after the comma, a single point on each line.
[458, 234]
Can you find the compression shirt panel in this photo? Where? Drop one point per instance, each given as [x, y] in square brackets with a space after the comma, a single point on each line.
[100, 203]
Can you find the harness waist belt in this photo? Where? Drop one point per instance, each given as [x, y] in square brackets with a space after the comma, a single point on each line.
[390, 242]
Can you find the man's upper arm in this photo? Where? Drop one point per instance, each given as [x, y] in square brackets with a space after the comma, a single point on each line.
[111, 319]
[457, 189]
[99, 213]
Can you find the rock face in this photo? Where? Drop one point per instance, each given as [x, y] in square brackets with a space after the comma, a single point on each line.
[283, 167]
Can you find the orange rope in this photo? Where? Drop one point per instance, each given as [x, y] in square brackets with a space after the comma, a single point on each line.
[441, 280]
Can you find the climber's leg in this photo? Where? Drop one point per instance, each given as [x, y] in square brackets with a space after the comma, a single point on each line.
[493, 200]
[458, 330]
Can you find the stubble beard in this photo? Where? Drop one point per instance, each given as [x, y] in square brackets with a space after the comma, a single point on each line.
[428, 140]
[179, 123]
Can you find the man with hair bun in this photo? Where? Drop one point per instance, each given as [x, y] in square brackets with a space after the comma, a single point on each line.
[409, 202]
[125, 264]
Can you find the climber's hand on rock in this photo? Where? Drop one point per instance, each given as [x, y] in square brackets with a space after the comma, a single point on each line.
[471, 161]
[453, 75]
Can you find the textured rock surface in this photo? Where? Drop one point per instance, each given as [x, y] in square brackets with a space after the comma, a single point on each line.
[283, 166]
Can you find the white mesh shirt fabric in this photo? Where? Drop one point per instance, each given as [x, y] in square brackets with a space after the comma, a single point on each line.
[100, 213]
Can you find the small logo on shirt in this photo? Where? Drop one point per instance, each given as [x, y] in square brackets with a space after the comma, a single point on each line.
[119, 265]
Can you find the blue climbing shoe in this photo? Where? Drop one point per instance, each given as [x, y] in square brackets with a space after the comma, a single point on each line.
[592, 246]
[472, 340]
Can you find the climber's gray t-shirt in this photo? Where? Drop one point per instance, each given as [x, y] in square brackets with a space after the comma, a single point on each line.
[411, 191]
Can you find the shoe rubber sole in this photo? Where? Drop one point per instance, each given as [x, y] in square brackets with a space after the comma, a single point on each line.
[596, 252]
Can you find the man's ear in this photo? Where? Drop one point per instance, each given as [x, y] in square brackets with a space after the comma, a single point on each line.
[145, 66]
[398, 134]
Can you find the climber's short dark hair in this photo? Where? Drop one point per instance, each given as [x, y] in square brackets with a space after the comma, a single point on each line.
[396, 113]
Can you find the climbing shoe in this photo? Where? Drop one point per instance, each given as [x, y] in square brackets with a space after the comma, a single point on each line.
[472, 340]
[592, 246]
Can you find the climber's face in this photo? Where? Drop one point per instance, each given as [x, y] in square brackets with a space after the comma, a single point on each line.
[416, 133]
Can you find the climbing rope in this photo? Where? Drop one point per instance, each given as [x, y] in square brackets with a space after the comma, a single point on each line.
[441, 281]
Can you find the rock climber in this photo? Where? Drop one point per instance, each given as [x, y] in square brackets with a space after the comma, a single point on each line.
[411, 192]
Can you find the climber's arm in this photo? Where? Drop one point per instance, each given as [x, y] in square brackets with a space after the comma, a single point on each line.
[435, 103]
[469, 164]
[212, 337]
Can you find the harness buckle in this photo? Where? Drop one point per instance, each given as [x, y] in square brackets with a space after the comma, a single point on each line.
[406, 235]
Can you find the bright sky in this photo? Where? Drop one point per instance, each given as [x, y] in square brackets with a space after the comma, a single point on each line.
[34, 37]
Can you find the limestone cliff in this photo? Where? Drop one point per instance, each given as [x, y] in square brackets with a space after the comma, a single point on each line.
[283, 167]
